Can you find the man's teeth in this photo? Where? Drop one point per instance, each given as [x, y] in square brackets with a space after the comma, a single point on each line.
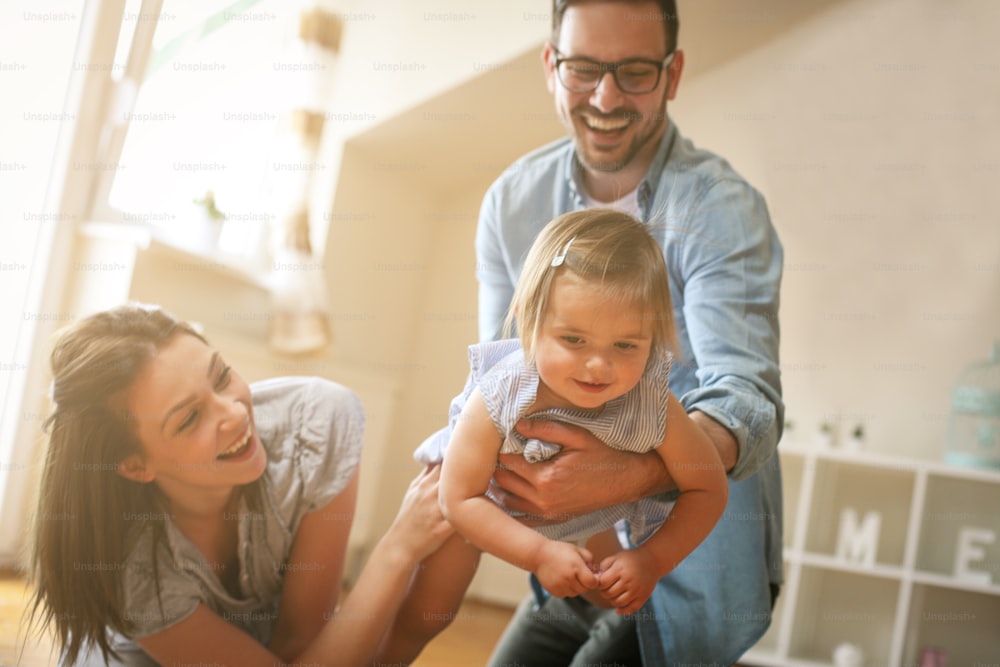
[239, 445]
[605, 124]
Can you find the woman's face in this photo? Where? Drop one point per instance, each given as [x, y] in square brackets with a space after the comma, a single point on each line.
[194, 418]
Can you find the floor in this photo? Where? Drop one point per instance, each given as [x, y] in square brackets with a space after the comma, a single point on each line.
[466, 643]
[13, 599]
[469, 640]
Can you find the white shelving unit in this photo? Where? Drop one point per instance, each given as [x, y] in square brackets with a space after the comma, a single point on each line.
[891, 555]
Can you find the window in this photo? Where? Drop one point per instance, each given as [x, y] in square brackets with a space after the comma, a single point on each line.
[201, 136]
[36, 45]
[112, 115]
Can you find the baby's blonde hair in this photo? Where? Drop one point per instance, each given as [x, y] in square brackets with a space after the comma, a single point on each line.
[606, 247]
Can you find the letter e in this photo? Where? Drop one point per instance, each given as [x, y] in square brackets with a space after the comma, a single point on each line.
[970, 548]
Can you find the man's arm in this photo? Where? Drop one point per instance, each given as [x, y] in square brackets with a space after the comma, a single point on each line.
[585, 476]
[723, 440]
[588, 475]
[495, 287]
[731, 273]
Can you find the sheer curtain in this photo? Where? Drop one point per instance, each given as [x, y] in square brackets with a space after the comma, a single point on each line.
[300, 317]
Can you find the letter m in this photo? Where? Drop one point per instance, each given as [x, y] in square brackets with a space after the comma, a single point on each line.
[858, 543]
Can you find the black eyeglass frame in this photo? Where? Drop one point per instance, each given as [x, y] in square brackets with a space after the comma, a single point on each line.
[604, 68]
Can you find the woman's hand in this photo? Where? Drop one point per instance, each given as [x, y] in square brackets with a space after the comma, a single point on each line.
[419, 527]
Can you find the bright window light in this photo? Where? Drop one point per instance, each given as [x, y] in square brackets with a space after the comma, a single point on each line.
[205, 120]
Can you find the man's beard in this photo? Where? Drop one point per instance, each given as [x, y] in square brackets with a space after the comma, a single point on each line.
[593, 159]
[596, 160]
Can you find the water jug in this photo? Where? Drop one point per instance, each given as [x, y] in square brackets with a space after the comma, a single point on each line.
[974, 424]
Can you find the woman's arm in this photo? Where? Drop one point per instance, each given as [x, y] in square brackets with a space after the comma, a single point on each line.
[314, 572]
[206, 637]
[351, 637]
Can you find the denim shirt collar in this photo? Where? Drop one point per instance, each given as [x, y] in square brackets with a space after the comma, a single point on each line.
[573, 172]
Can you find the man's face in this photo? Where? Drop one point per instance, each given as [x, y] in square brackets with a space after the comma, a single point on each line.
[613, 129]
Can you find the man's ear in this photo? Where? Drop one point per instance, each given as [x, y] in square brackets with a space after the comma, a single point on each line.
[134, 468]
[675, 69]
[549, 63]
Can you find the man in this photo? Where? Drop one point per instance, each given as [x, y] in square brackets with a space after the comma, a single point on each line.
[612, 67]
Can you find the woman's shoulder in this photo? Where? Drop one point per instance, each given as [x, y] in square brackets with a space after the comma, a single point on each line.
[307, 408]
[312, 429]
[282, 393]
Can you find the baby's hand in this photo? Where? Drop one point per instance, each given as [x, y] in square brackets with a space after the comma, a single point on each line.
[566, 570]
[627, 579]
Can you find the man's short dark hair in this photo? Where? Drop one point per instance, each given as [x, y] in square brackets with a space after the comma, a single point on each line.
[667, 12]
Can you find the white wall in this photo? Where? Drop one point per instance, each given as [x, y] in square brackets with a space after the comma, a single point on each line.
[397, 54]
[871, 128]
[399, 250]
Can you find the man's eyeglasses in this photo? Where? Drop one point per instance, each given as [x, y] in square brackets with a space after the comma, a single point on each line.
[634, 76]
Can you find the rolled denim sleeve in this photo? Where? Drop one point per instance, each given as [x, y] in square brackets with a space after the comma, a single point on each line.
[731, 286]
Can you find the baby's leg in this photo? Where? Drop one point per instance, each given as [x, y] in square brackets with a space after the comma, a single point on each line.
[432, 602]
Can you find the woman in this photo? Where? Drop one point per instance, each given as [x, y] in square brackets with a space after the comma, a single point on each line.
[187, 517]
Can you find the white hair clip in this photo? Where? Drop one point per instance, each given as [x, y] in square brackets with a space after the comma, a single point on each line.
[560, 258]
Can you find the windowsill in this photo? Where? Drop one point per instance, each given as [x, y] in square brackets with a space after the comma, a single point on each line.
[151, 239]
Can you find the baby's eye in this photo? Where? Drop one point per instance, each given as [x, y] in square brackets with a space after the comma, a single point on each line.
[572, 340]
[626, 346]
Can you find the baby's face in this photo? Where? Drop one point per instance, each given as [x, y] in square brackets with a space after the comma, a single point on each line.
[591, 348]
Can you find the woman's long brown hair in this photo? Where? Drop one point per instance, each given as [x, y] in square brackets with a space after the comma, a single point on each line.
[89, 516]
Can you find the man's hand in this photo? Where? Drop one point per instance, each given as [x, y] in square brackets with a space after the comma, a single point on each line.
[725, 443]
[585, 476]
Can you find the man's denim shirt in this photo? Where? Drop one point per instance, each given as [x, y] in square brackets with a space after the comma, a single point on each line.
[725, 262]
